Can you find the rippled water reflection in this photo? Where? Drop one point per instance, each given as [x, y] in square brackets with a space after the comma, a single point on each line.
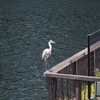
[25, 29]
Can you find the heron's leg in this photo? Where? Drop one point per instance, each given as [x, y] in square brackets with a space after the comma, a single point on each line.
[46, 64]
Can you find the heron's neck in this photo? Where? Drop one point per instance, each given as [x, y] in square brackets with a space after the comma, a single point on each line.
[50, 46]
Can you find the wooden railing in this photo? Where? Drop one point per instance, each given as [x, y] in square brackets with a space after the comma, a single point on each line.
[72, 77]
[73, 59]
[56, 73]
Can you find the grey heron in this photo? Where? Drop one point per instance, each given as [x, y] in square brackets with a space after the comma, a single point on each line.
[47, 52]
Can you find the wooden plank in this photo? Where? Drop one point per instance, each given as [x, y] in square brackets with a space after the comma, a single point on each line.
[74, 73]
[77, 91]
[54, 89]
[73, 77]
[61, 89]
[74, 58]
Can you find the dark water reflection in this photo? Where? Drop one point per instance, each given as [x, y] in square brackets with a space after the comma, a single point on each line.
[26, 27]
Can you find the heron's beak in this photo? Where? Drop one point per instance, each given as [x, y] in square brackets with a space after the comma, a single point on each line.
[52, 42]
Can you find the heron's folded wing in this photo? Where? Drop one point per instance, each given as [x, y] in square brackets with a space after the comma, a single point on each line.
[45, 54]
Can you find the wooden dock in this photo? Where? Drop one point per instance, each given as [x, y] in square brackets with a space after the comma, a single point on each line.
[74, 58]
[77, 64]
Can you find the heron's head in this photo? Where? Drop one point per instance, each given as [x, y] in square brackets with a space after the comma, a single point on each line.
[52, 42]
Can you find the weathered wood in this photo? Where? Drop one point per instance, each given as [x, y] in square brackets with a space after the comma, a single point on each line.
[61, 89]
[67, 94]
[54, 89]
[74, 58]
[74, 72]
[73, 77]
[78, 90]
[49, 94]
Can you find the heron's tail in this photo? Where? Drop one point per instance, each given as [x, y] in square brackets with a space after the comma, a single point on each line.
[42, 60]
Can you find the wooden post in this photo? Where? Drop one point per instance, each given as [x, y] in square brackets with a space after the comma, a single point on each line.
[78, 90]
[49, 87]
[61, 89]
[54, 89]
[67, 94]
[92, 63]
[49, 94]
[78, 83]
[74, 72]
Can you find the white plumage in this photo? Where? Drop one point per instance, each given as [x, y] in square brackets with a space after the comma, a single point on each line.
[47, 52]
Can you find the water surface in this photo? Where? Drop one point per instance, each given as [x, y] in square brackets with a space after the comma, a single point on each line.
[26, 26]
